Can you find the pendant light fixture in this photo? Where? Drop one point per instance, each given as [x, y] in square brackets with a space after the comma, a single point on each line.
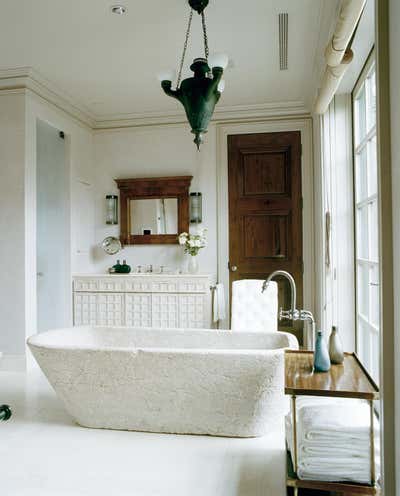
[198, 94]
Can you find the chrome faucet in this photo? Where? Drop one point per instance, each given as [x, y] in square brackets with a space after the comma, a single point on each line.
[293, 313]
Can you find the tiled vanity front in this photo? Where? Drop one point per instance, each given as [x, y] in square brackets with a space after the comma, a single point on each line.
[143, 300]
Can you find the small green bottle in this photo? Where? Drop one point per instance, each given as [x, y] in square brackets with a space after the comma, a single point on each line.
[117, 267]
[125, 268]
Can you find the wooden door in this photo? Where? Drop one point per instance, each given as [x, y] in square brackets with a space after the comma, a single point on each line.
[265, 208]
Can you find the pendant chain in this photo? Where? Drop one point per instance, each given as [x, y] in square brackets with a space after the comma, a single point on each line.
[203, 22]
[184, 49]
[206, 49]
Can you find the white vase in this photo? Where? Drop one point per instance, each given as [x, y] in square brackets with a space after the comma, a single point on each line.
[193, 265]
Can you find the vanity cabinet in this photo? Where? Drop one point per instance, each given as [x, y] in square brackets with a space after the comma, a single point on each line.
[143, 300]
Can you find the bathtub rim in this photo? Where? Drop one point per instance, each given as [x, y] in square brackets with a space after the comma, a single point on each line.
[33, 341]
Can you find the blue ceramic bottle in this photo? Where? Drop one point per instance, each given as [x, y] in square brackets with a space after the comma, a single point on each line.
[322, 362]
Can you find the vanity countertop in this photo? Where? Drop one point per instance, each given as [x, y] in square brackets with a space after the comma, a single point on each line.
[141, 274]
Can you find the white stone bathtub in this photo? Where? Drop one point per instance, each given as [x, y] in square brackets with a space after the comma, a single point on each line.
[176, 381]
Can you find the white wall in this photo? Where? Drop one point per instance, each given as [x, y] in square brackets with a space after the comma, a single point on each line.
[394, 17]
[12, 222]
[150, 152]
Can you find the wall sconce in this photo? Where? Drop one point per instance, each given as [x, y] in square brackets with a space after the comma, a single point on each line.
[111, 209]
[195, 208]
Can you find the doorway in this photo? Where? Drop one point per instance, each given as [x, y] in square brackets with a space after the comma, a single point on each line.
[265, 209]
[52, 229]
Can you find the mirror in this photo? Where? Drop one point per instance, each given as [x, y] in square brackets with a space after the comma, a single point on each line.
[153, 216]
[111, 245]
[154, 210]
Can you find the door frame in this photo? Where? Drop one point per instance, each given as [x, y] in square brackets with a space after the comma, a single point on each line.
[304, 125]
[38, 109]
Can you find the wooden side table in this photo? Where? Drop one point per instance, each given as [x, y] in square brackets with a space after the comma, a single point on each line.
[349, 380]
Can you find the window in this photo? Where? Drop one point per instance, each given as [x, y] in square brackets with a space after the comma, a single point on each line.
[366, 220]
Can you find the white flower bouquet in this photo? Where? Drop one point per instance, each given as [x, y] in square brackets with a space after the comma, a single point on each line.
[193, 242]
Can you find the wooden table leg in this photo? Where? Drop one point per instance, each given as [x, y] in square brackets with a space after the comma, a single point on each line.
[372, 442]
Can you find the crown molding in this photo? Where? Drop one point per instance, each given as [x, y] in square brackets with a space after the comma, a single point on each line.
[29, 78]
[221, 114]
[22, 78]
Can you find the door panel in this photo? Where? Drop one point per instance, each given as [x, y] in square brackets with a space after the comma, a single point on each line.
[110, 309]
[265, 208]
[138, 309]
[165, 310]
[265, 236]
[52, 231]
[191, 311]
[85, 309]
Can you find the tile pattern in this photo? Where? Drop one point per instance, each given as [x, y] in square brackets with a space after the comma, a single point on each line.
[138, 310]
[191, 311]
[143, 301]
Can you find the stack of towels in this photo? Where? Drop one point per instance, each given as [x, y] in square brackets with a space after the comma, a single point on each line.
[333, 439]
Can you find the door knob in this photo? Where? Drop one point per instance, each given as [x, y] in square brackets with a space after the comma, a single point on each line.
[233, 268]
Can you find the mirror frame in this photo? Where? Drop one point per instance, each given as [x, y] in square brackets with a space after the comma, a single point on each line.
[148, 188]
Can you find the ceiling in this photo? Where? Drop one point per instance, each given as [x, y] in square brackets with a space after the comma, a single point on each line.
[108, 63]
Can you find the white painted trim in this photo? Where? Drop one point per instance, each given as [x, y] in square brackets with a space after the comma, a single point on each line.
[304, 125]
[28, 78]
[235, 112]
[12, 363]
[319, 222]
[387, 218]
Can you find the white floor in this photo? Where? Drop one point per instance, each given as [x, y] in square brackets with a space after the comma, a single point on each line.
[44, 453]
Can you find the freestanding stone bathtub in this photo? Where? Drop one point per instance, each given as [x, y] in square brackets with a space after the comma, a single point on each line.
[219, 383]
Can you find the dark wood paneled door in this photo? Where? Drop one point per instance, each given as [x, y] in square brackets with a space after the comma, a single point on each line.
[265, 208]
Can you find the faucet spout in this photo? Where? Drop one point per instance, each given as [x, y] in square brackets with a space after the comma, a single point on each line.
[292, 283]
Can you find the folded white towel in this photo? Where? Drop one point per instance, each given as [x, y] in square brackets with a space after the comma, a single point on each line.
[332, 471]
[333, 439]
[335, 448]
[334, 422]
[340, 451]
[219, 312]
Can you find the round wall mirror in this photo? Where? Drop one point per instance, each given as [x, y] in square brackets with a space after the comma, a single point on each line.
[111, 245]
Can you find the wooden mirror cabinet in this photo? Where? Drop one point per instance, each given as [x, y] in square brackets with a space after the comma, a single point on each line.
[153, 210]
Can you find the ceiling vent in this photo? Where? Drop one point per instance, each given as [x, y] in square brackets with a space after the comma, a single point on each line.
[283, 41]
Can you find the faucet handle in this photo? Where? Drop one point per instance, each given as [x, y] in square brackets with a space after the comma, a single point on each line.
[306, 315]
[284, 314]
[289, 314]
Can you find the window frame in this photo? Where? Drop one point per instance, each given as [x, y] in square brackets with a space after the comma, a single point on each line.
[357, 147]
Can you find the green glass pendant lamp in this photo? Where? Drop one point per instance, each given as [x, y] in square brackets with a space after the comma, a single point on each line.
[198, 94]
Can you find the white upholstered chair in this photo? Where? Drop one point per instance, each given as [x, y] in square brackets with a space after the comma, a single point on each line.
[253, 310]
